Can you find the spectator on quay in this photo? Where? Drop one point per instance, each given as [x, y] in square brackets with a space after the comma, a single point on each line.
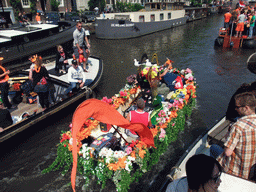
[25, 18]
[240, 24]
[203, 175]
[81, 44]
[61, 60]
[227, 17]
[40, 84]
[38, 18]
[4, 85]
[239, 155]
[20, 20]
[75, 76]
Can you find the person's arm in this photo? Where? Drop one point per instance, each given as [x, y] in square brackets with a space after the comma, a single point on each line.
[87, 42]
[228, 151]
[5, 73]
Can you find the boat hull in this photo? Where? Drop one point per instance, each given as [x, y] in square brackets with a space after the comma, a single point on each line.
[124, 29]
[60, 83]
[23, 46]
[243, 43]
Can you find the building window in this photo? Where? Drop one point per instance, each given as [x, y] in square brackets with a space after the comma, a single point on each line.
[169, 15]
[25, 3]
[141, 18]
[61, 3]
[161, 16]
[152, 17]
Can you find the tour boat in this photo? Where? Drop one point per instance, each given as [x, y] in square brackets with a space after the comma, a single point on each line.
[28, 104]
[229, 41]
[202, 146]
[21, 42]
[102, 149]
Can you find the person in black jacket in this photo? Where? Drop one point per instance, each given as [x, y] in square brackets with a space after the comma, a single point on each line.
[5, 117]
[61, 60]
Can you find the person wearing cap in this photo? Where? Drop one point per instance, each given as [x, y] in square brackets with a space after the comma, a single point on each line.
[4, 85]
[75, 76]
[139, 116]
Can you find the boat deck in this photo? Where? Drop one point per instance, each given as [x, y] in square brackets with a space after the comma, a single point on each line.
[217, 136]
[23, 107]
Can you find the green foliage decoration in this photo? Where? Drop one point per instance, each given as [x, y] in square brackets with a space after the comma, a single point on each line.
[33, 6]
[128, 7]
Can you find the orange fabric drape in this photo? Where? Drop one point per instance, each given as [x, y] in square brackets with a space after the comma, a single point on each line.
[104, 113]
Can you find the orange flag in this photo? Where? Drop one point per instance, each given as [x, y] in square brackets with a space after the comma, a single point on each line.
[104, 113]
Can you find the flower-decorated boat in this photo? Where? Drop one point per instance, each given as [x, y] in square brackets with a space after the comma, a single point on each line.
[98, 144]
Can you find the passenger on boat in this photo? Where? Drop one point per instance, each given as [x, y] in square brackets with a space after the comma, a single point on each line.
[239, 154]
[61, 60]
[4, 85]
[75, 76]
[5, 117]
[25, 19]
[203, 175]
[252, 24]
[240, 24]
[40, 84]
[138, 116]
[227, 17]
[20, 20]
[81, 43]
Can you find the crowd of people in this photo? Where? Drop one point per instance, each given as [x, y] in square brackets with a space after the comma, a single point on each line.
[241, 21]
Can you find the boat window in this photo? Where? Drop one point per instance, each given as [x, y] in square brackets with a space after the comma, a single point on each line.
[152, 6]
[141, 18]
[152, 17]
[169, 15]
[161, 16]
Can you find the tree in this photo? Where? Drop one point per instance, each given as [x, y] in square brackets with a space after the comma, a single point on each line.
[55, 5]
[97, 3]
[17, 7]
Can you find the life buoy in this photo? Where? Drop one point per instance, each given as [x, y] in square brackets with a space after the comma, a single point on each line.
[178, 84]
[5, 78]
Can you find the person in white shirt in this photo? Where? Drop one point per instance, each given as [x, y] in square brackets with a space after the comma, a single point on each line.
[76, 76]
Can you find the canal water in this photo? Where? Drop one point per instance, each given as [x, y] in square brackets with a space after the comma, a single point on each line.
[219, 72]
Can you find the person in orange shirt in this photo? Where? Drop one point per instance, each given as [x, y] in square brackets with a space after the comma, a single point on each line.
[38, 18]
[227, 17]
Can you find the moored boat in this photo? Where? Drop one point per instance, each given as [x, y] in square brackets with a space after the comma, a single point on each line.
[24, 115]
[98, 140]
[22, 42]
[135, 24]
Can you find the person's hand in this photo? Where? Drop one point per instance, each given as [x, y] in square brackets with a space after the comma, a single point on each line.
[7, 72]
[88, 45]
[80, 51]
[1, 129]
[80, 81]
[82, 84]
[66, 61]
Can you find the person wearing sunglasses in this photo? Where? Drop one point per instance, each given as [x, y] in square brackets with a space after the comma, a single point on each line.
[239, 154]
[203, 175]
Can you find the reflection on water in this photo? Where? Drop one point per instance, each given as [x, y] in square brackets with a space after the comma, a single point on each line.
[218, 72]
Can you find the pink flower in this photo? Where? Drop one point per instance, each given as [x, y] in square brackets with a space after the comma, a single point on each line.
[188, 70]
[181, 100]
[190, 78]
[70, 125]
[173, 124]
[162, 134]
[128, 150]
[123, 94]
[170, 105]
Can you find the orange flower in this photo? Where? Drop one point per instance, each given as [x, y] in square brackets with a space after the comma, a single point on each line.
[121, 162]
[154, 131]
[113, 166]
[142, 153]
[174, 114]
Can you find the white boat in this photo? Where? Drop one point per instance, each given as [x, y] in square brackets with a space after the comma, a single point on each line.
[136, 24]
[202, 145]
[21, 42]
[60, 83]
